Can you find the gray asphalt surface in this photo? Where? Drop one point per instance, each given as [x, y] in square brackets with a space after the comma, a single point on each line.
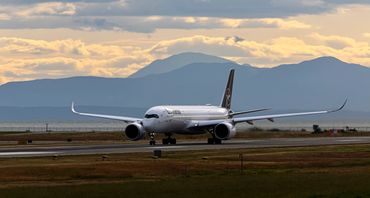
[27, 151]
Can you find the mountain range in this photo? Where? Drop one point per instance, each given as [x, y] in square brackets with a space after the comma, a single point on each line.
[194, 78]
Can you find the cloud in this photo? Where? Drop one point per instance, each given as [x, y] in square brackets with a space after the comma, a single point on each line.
[366, 35]
[233, 47]
[4, 17]
[201, 8]
[25, 59]
[23, 46]
[336, 42]
[271, 52]
[186, 8]
[264, 23]
[147, 16]
[45, 9]
[148, 24]
[28, 2]
[58, 67]
[212, 8]
[227, 46]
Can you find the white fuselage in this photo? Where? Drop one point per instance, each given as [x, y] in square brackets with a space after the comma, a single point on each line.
[176, 119]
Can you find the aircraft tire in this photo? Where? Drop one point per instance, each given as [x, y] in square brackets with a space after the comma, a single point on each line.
[211, 141]
[165, 141]
[218, 141]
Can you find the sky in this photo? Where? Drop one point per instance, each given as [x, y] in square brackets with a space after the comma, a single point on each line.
[115, 38]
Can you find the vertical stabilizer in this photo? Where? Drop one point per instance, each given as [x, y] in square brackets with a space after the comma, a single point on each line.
[226, 100]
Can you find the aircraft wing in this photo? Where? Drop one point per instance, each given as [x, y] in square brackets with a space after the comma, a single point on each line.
[246, 112]
[209, 123]
[110, 117]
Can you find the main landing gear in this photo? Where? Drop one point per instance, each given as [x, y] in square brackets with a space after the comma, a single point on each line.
[168, 140]
[213, 139]
[152, 141]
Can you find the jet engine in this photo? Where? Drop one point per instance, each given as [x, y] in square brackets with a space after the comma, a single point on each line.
[224, 131]
[135, 131]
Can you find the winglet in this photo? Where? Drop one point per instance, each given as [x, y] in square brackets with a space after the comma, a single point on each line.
[73, 107]
[341, 107]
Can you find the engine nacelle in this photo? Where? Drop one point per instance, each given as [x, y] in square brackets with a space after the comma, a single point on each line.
[135, 131]
[224, 131]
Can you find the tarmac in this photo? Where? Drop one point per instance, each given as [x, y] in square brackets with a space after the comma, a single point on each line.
[50, 150]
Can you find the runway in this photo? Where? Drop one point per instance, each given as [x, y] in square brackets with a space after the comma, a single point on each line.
[28, 151]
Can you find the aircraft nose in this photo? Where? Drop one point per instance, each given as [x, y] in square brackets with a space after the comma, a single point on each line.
[148, 125]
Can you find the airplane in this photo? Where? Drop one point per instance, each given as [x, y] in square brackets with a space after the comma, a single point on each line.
[219, 121]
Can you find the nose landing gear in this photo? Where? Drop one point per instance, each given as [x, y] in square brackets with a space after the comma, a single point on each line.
[152, 141]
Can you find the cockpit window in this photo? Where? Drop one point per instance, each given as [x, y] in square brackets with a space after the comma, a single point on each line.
[151, 116]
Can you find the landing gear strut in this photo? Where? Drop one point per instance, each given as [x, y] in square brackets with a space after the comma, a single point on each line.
[213, 139]
[168, 140]
[152, 141]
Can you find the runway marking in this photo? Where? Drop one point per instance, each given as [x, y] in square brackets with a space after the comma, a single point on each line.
[165, 147]
[349, 140]
[25, 153]
[296, 140]
[246, 141]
